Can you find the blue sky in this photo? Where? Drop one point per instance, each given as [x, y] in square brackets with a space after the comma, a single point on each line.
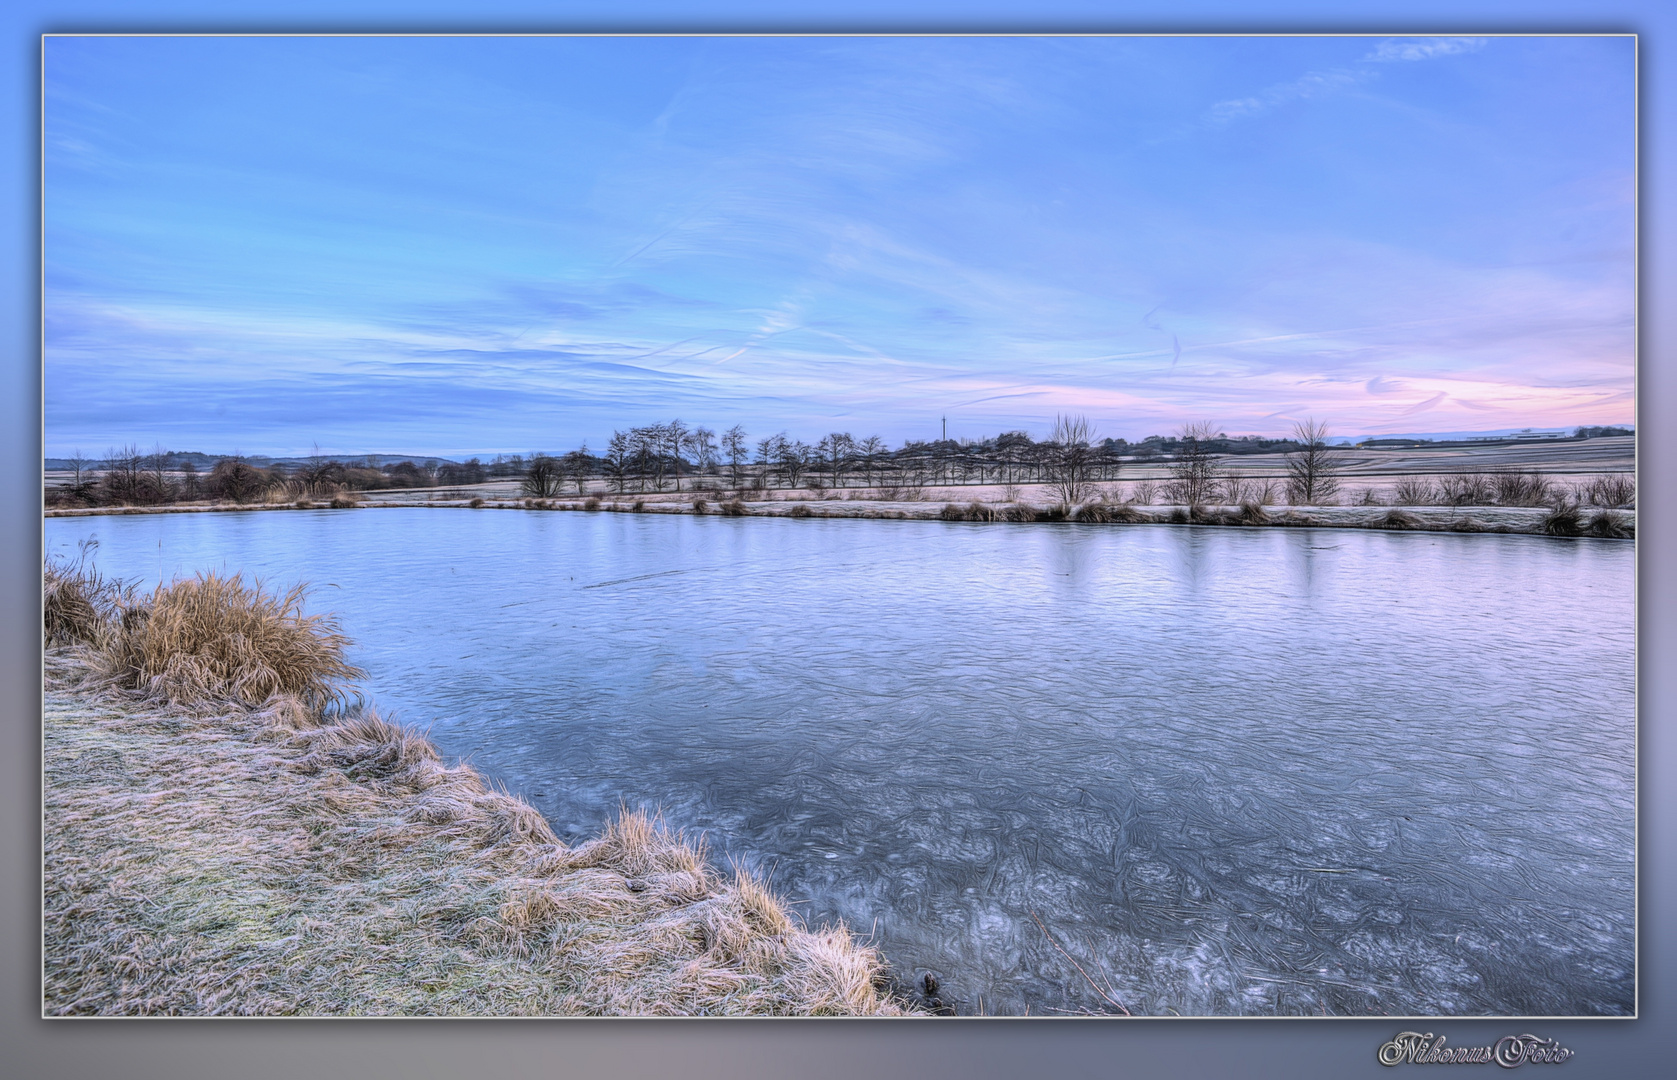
[469, 245]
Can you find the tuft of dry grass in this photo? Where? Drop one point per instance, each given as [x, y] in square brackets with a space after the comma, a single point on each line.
[1612, 525]
[1398, 519]
[1105, 513]
[77, 604]
[477, 501]
[341, 501]
[212, 639]
[1564, 520]
[800, 511]
[1252, 513]
[732, 508]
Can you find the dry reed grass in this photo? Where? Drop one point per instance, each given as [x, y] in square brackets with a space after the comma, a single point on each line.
[77, 604]
[1398, 519]
[213, 639]
[1612, 525]
[260, 854]
[1564, 520]
[1108, 513]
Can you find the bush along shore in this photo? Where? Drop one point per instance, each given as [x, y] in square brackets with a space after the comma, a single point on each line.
[1569, 520]
[229, 830]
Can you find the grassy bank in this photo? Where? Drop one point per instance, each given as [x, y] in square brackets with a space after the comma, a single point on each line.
[227, 832]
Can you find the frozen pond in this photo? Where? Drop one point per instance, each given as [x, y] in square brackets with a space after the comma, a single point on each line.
[1230, 771]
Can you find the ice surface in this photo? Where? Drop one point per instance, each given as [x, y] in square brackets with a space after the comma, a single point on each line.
[1230, 771]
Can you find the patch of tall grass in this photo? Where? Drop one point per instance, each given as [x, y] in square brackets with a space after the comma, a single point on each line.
[212, 639]
[78, 605]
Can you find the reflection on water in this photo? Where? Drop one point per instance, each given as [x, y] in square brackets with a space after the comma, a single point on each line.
[1230, 771]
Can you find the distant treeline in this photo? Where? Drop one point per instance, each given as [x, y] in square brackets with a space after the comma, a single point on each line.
[658, 457]
[130, 477]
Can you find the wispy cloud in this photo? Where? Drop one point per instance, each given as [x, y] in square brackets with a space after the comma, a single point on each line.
[1312, 84]
[1404, 49]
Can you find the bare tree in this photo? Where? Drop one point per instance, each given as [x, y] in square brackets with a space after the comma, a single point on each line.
[733, 444]
[872, 448]
[124, 476]
[619, 453]
[1195, 469]
[79, 463]
[160, 487]
[543, 478]
[1312, 471]
[701, 443]
[1071, 460]
[675, 437]
[577, 465]
[190, 487]
[646, 447]
[794, 457]
[834, 451]
[770, 451]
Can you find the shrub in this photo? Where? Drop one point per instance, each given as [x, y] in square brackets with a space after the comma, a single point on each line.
[1415, 491]
[1563, 521]
[591, 503]
[476, 502]
[1616, 491]
[1611, 525]
[1465, 489]
[237, 480]
[214, 639]
[1518, 487]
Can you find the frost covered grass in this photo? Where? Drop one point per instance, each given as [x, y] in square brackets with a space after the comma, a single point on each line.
[223, 835]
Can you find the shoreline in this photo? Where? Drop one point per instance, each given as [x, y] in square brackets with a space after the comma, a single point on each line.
[274, 860]
[1500, 520]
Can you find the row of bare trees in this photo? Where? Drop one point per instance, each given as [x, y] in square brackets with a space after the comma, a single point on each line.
[131, 477]
[1072, 461]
